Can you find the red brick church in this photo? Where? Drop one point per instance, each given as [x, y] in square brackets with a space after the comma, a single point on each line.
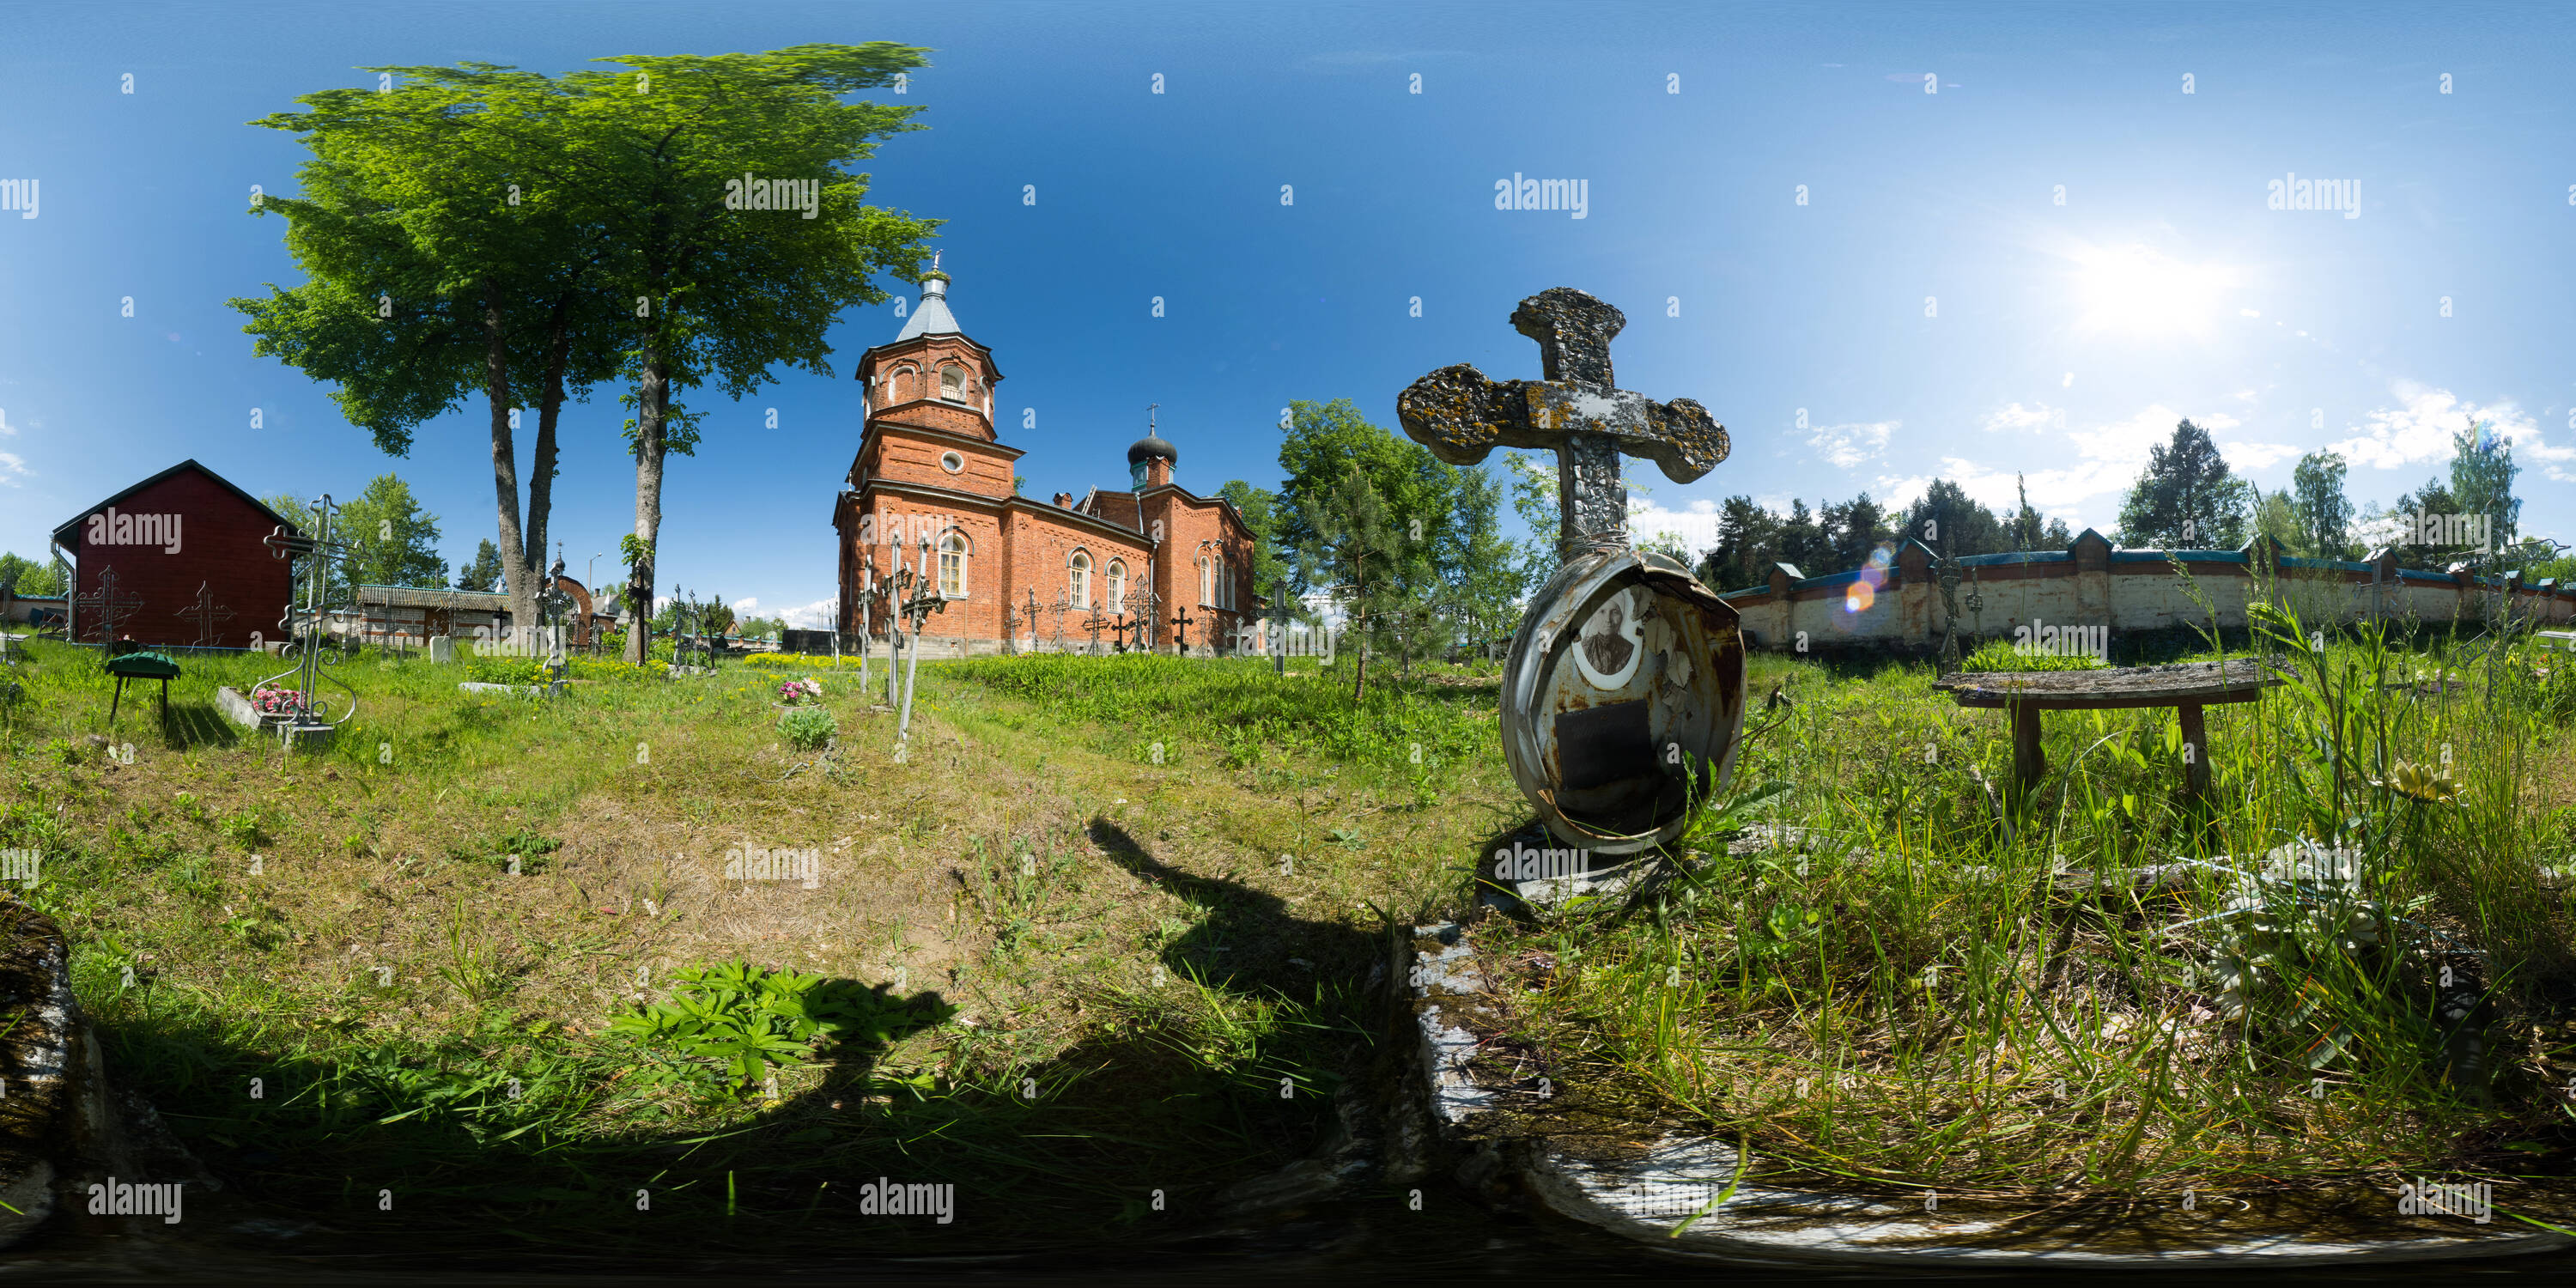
[1119, 565]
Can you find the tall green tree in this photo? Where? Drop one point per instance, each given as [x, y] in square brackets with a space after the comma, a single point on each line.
[1352, 550]
[2482, 472]
[1535, 500]
[698, 167]
[1852, 530]
[1953, 524]
[29, 577]
[484, 571]
[1486, 595]
[2276, 517]
[2323, 510]
[1418, 491]
[445, 258]
[390, 540]
[2186, 498]
[1748, 543]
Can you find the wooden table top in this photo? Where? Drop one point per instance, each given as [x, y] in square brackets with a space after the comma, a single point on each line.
[2106, 688]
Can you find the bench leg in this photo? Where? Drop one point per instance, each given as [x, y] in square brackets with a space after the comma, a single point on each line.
[2029, 761]
[113, 702]
[2195, 741]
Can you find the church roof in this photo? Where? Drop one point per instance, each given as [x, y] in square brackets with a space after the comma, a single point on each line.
[932, 316]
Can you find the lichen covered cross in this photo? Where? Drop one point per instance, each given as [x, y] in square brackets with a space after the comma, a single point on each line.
[1577, 410]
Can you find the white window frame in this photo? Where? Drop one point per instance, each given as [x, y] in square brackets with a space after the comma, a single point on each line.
[1117, 585]
[953, 546]
[1078, 578]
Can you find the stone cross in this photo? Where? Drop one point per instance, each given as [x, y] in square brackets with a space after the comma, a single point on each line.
[1577, 410]
[205, 612]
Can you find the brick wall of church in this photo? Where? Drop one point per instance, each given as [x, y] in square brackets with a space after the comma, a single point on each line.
[910, 459]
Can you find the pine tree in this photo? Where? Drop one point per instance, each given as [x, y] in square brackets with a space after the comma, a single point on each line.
[481, 574]
[1349, 548]
[2186, 499]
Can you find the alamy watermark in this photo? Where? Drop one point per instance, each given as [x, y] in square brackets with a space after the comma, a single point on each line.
[20, 865]
[748, 193]
[2424, 1198]
[1518, 193]
[805, 866]
[2042, 640]
[1528, 863]
[108, 527]
[2295, 193]
[884, 1197]
[19, 195]
[116, 1198]
[2417, 528]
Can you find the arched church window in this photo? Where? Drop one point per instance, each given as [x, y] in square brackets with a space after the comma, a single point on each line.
[1080, 579]
[1117, 585]
[952, 566]
[1207, 582]
[952, 383]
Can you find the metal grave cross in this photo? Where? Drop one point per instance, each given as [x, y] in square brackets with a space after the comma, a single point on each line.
[306, 623]
[112, 607]
[205, 612]
[1577, 410]
[1181, 642]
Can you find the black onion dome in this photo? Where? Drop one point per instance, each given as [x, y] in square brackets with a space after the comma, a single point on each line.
[1150, 446]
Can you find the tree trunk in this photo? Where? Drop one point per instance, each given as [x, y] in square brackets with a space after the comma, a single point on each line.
[541, 476]
[505, 461]
[652, 395]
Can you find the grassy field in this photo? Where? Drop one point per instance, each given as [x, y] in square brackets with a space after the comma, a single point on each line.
[1104, 928]
[1931, 999]
[1110, 929]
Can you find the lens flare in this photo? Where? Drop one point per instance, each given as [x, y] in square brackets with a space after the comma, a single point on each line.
[1859, 597]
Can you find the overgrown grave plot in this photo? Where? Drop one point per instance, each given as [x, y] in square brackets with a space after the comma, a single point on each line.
[2360, 980]
[344, 926]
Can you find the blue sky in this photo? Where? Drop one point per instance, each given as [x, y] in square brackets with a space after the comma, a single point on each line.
[2062, 340]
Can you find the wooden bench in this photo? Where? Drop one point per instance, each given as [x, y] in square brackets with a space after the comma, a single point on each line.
[2186, 687]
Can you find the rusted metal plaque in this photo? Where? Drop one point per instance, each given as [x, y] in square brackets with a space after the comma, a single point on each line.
[1623, 700]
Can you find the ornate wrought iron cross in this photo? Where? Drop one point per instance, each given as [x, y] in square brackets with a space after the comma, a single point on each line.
[205, 612]
[1181, 642]
[1577, 410]
[112, 607]
[308, 622]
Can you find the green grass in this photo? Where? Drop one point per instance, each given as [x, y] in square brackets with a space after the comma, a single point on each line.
[1945, 1016]
[1118, 1013]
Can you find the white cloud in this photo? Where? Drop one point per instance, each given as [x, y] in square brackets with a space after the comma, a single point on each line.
[1848, 445]
[1703, 506]
[747, 605]
[816, 616]
[1696, 527]
[2419, 429]
[11, 464]
[2107, 461]
[2017, 416]
[2255, 456]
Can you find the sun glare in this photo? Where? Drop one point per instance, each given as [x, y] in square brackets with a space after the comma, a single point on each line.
[2137, 291]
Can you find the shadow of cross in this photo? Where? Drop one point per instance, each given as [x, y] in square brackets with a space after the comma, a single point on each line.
[1577, 410]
